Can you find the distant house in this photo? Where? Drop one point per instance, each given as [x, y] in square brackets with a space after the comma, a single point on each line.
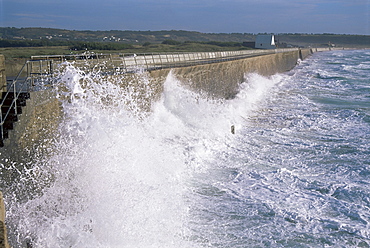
[265, 41]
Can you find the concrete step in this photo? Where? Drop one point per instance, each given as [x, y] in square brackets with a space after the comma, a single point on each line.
[7, 100]
[10, 95]
[8, 125]
[10, 117]
[20, 102]
[5, 134]
[5, 109]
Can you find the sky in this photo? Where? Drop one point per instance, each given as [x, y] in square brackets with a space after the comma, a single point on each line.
[209, 16]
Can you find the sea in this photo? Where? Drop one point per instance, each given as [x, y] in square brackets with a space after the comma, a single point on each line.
[286, 163]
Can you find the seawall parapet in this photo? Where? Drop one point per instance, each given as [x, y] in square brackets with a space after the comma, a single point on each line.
[221, 80]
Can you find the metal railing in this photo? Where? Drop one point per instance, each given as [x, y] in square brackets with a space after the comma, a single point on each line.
[129, 63]
[22, 84]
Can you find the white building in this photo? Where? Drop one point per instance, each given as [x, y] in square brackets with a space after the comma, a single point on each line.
[265, 41]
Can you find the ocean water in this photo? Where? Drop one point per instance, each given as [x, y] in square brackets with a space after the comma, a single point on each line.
[296, 173]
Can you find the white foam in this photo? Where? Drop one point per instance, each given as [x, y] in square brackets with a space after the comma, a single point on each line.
[120, 178]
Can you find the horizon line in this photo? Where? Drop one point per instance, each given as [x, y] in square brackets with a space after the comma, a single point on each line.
[181, 30]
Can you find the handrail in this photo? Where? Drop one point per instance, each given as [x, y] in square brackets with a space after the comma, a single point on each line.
[158, 60]
[131, 62]
[88, 56]
[13, 103]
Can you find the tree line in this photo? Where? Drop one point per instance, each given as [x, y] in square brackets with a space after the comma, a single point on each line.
[214, 43]
[72, 45]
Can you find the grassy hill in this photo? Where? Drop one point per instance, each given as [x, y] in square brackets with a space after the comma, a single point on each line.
[119, 36]
[157, 37]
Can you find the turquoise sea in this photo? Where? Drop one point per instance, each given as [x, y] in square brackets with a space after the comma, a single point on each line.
[296, 173]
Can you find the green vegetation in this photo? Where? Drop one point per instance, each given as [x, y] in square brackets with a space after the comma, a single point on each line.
[99, 46]
[171, 42]
[26, 48]
[16, 56]
[130, 37]
[220, 43]
[28, 43]
[73, 45]
[113, 46]
[27, 52]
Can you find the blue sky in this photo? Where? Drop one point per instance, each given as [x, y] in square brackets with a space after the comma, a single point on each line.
[211, 16]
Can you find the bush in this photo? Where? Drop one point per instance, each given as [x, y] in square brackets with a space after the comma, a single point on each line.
[171, 42]
[99, 46]
[73, 45]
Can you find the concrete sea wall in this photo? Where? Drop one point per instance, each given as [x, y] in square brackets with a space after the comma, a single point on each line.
[41, 117]
[222, 80]
[42, 114]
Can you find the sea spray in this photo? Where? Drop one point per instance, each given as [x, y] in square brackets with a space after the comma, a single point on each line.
[121, 171]
[117, 186]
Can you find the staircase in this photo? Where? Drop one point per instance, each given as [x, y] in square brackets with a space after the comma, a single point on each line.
[11, 107]
[34, 76]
